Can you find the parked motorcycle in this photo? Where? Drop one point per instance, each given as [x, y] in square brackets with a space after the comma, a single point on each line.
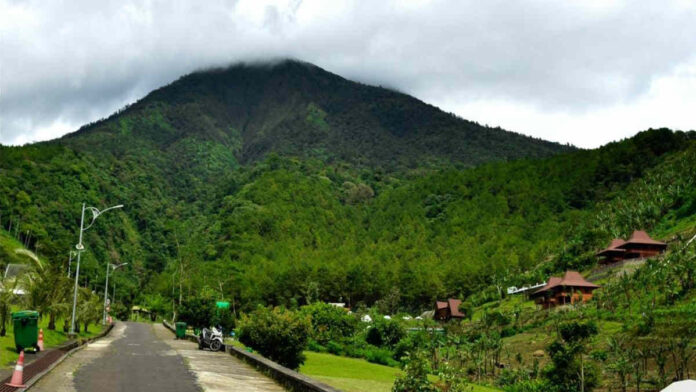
[211, 339]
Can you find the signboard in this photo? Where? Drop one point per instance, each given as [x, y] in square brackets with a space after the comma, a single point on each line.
[222, 305]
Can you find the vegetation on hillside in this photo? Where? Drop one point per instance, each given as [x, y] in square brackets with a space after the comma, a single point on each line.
[285, 186]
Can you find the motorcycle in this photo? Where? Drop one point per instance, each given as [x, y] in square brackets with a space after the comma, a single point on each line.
[211, 339]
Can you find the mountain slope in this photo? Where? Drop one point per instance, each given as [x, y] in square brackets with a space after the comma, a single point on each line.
[263, 182]
[296, 108]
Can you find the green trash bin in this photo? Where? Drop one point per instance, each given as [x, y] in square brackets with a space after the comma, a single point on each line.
[180, 330]
[26, 329]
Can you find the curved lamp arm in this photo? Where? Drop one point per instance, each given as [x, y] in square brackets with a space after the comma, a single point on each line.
[95, 214]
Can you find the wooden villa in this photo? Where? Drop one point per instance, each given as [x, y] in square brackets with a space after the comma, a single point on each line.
[447, 310]
[569, 289]
[640, 245]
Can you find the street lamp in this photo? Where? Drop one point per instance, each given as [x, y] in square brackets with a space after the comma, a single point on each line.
[80, 248]
[72, 253]
[106, 287]
[113, 296]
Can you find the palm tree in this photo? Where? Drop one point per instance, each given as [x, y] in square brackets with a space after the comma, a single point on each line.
[7, 298]
[47, 290]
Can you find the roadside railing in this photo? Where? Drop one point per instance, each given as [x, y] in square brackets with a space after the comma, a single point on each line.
[288, 378]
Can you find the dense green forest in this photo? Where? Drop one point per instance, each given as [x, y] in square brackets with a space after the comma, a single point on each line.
[281, 183]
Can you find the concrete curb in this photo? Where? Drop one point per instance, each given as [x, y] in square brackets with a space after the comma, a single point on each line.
[189, 336]
[288, 378]
[71, 347]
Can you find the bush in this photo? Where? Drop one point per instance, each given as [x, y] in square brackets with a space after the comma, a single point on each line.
[329, 322]
[316, 347]
[528, 386]
[415, 378]
[334, 348]
[380, 356]
[385, 333]
[411, 343]
[278, 334]
[225, 318]
[197, 312]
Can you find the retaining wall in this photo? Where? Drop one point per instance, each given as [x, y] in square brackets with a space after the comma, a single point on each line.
[290, 379]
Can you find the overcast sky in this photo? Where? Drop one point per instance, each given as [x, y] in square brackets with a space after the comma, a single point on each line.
[583, 72]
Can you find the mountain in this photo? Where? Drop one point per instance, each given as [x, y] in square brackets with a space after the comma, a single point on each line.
[298, 109]
[265, 183]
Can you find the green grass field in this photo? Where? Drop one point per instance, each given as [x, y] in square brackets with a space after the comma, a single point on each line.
[355, 375]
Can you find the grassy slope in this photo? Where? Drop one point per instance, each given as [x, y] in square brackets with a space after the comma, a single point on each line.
[540, 336]
[355, 375]
[8, 356]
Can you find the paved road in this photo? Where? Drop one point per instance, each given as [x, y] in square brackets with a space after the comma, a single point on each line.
[143, 357]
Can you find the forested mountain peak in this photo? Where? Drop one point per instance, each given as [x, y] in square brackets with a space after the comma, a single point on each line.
[298, 109]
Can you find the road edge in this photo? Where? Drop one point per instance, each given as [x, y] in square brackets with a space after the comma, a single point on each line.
[288, 378]
[80, 345]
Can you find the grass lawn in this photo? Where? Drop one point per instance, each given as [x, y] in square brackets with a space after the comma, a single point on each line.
[355, 375]
[51, 339]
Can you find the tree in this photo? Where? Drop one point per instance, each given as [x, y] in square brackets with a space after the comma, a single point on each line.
[568, 370]
[48, 291]
[415, 377]
[89, 308]
[197, 311]
[7, 298]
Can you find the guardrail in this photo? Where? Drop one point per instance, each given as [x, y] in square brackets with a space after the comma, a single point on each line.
[288, 378]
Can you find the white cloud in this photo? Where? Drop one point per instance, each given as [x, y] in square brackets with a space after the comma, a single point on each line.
[583, 72]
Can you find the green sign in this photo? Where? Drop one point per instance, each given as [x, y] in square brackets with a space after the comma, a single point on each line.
[222, 305]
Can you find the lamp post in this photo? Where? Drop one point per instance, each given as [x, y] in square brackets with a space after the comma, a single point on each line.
[113, 296]
[80, 248]
[106, 288]
[72, 252]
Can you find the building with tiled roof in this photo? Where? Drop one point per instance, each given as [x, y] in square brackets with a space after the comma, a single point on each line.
[639, 245]
[566, 290]
[447, 310]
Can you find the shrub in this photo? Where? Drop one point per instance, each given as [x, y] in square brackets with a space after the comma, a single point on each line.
[415, 378]
[316, 347]
[411, 343]
[225, 318]
[334, 348]
[278, 334]
[197, 311]
[329, 322]
[385, 332]
[380, 356]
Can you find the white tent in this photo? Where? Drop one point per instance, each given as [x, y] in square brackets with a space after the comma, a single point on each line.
[681, 386]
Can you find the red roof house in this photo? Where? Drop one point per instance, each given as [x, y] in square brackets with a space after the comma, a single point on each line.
[569, 289]
[447, 310]
[640, 245]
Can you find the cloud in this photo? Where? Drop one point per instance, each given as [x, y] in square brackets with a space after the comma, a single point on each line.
[581, 72]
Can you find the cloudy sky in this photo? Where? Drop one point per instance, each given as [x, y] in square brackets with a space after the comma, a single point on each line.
[583, 72]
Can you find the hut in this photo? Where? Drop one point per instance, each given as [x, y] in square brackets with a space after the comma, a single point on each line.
[639, 245]
[447, 310]
[569, 289]
[613, 253]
